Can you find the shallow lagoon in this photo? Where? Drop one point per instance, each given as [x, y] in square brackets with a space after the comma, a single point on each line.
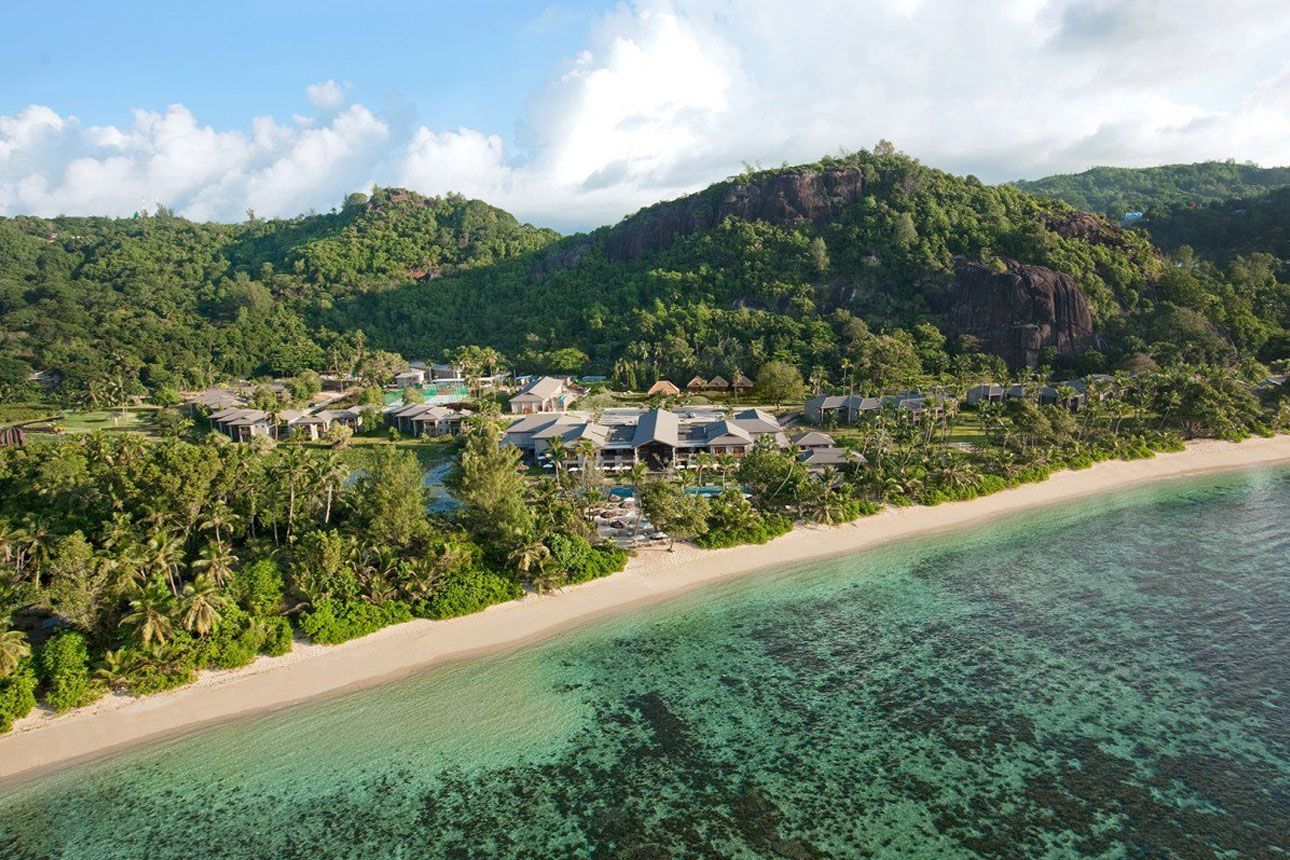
[1106, 679]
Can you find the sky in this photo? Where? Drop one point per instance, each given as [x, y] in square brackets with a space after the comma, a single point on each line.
[575, 114]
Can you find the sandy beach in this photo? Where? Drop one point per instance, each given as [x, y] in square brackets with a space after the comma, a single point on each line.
[42, 741]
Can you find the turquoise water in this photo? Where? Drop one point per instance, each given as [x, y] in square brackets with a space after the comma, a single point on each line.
[1108, 679]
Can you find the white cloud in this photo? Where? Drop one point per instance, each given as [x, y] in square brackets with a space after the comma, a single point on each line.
[668, 95]
[326, 95]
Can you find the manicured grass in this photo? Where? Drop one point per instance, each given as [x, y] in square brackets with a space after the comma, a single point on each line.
[20, 413]
[967, 428]
[111, 420]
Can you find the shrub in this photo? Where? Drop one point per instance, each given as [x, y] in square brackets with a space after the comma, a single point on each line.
[17, 696]
[278, 637]
[769, 527]
[331, 622]
[234, 643]
[165, 668]
[258, 587]
[464, 591]
[991, 484]
[581, 561]
[64, 666]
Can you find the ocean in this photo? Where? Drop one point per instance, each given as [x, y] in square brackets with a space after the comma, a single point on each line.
[1108, 678]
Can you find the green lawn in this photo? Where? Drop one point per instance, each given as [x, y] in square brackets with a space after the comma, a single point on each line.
[967, 428]
[111, 420]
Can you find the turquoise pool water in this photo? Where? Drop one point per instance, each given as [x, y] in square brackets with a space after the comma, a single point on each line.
[1106, 679]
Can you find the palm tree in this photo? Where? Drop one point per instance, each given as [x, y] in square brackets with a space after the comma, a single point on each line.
[703, 462]
[529, 556]
[217, 561]
[34, 542]
[150, 613]
[558, 452]
[162, 558]
[585, 450]
[295, 471]
[117, 666]
[201, 605]
[13, 650]
[220, 520]
[330, 472]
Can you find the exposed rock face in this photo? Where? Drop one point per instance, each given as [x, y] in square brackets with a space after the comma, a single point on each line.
[1020, 311]
[1087, 227]
[786, 198]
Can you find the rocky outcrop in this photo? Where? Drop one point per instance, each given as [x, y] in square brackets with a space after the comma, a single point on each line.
[1019, 311]
[1086, 227]
[781, 198]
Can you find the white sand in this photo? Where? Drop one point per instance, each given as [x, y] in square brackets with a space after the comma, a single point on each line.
[42, 740]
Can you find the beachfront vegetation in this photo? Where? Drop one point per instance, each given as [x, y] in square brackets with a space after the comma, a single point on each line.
[131, 564]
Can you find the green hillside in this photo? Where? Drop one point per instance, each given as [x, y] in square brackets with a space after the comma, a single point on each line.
[1225, 229]
[1114, 191]
[871, 262]
[165, 302]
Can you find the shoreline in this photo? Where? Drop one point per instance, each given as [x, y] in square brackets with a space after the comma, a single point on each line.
[42, 741]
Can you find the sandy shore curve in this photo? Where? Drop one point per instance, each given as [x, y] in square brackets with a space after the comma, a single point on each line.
[42, 741]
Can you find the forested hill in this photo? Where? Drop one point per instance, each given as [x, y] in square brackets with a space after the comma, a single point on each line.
[872, 264]
[872, 261]
[159, 301]
[1226, 229]
[1113, 191]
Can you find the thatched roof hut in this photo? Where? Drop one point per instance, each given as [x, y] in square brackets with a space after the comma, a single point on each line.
[662, 388]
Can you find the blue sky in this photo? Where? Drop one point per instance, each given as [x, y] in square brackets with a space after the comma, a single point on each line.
[455, 63]
[577, 113]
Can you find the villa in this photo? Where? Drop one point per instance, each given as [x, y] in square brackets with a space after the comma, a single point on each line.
[242, 424]
[840, 409]
[422, 419]
[544, 394]
[987, 392]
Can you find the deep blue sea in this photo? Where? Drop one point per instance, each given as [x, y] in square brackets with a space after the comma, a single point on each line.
[1105, 679]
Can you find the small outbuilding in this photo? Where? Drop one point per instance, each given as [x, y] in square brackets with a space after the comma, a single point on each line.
[697, 384]
[662, 388]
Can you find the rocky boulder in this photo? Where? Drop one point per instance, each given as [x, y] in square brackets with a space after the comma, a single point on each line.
[782, 198]
[1019, 311]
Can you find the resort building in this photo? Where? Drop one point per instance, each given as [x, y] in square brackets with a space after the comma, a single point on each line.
[696, 385]
[840, 408]
[414, 376]
[214, 399]
[242, 425]
[422, 419]
[988, 392]
[818, 460]
[813, 440]
[544, 394]
[660, 438]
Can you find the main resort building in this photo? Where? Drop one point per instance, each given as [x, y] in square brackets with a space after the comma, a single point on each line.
[659, 438]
